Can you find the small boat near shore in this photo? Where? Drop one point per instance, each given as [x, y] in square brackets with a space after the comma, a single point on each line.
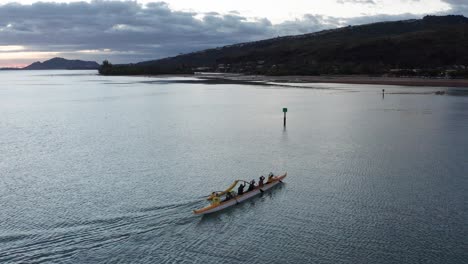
[236, 199]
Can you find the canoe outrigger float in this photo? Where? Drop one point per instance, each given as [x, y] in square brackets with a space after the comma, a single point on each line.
[236, 199]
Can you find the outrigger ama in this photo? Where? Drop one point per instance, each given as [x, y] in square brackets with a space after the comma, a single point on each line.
[232, 198]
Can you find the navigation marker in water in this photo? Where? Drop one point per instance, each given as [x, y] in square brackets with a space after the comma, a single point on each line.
[285, 110]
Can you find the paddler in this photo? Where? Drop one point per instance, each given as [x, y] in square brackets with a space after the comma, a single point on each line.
[216, 200]
[229, 196]
[240, 190]
[260, 181]
[251, 186]
[270, 177]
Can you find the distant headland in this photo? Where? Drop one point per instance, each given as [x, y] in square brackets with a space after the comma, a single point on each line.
[60, 64]
[432, 47]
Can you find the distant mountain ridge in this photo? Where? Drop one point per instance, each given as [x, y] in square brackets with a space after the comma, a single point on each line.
[62, 64]
[434, 42]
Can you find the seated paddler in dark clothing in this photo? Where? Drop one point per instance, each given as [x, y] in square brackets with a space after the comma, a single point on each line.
[251, 186]
[229, 196]
[240, 189]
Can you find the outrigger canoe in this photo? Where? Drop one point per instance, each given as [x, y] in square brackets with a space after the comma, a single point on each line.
[239, 198]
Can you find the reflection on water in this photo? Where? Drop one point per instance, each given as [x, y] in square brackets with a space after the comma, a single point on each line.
[99, 169]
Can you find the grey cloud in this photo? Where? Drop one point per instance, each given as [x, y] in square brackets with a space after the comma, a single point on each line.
[132, 31]
[307, 24]
[129, 32]
[457, 7]
[456, 2]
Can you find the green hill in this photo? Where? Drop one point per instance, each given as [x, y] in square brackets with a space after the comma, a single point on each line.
[433, 43]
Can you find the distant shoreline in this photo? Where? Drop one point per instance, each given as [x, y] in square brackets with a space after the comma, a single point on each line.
[399, 81]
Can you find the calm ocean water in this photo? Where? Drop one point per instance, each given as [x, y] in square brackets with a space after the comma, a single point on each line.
[108, 170]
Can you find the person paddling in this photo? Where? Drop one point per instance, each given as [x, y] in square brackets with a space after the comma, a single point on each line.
[270, 178]
[216, 200]
[251, 186]
[260, 181]
[240, 189]
[229, 196]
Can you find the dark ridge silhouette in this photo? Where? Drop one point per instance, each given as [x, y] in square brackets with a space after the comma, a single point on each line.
[63, 64]
[9, 69]
[432, 46]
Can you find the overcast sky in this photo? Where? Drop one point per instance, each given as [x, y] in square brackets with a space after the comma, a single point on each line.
[132, 31]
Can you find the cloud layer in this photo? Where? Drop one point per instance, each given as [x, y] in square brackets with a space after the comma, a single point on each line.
[127, 31]
[130, 32]
[458, 7]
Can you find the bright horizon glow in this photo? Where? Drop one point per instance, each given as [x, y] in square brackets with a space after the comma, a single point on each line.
[8, 48]
[27, 54]
[21, 58]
